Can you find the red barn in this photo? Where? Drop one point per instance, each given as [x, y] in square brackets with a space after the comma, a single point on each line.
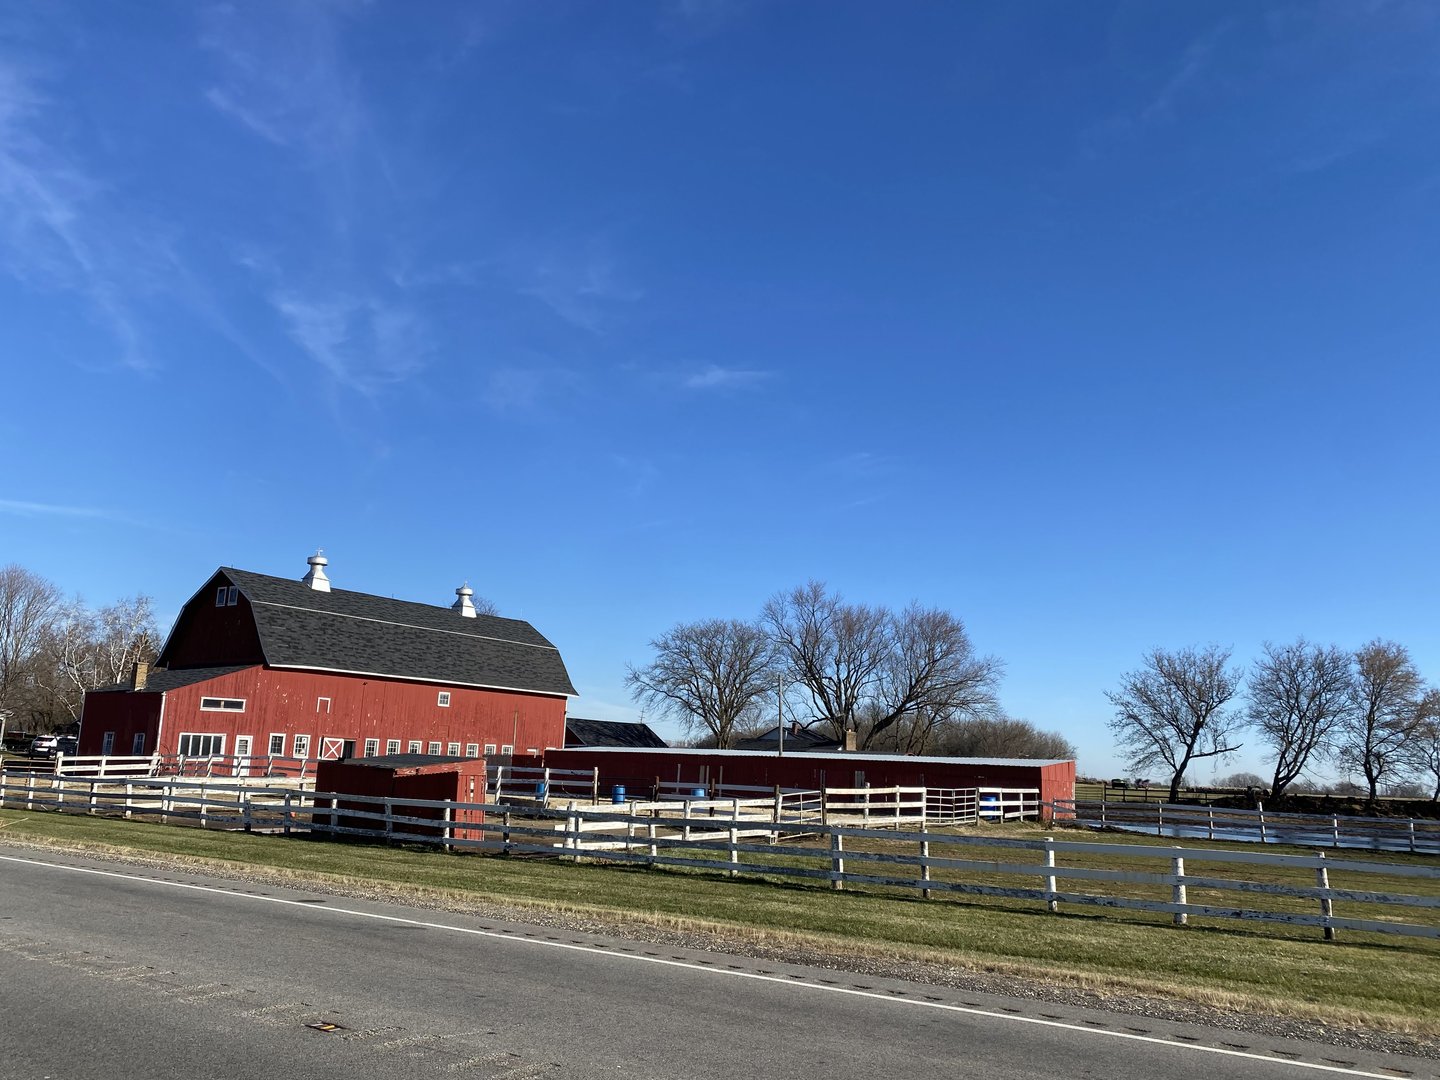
[259, 666]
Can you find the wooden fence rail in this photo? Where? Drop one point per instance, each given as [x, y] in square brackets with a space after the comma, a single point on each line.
[707, 838]
[1413, 835]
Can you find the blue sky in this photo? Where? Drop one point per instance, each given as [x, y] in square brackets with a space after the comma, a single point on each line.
[1104, 325]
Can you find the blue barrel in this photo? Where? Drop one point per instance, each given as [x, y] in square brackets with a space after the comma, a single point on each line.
[617, 794]
[697, 793]
[540, 789]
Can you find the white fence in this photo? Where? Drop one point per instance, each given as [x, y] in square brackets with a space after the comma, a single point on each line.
[718, 836]
[1414, 835]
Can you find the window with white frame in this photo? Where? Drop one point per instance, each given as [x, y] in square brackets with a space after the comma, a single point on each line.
[222, 704]
[443, 699]
[107, 744]
[372, 747]
[200, 745]
[489, 749]
[300, 747]
[221, 595]
[137, 744]
[277, 745]
[392, 746]
[322, 705]
[472, 749]
[507, 750]
[433, 748]
[413, 746]
[453, 749]
[232, 596]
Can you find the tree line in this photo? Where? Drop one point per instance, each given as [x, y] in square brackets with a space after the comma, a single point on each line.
[905, 681]
[1366, 712]
[54, 648]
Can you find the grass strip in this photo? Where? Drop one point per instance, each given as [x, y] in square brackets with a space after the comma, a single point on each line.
[1361, 980]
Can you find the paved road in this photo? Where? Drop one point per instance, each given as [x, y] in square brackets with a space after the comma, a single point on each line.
[109, 971]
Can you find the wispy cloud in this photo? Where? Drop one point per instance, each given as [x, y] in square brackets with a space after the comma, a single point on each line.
[517, 389]
[581, 283]
[51, 222]
[34, 509]
[715, 377]
[363, 344]
[1187, 75]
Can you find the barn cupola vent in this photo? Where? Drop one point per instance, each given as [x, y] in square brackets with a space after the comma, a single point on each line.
[315, 577]
[463, 602]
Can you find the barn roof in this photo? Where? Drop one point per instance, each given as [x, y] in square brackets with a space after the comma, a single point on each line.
[579, 732]
[161, 679]
[360, 634]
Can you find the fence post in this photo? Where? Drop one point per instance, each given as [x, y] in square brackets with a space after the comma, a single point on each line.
[735, 840]
[1179, 893]
[779, 805]
[595, 786]
[30, 791]
[4, 780]
[837, 861]
[285, 819]
[1260, 807]
[1335, 826]
[204, 806]
[246, 814]
[572, 827]
[505, 834]
[1412, 836]
[129, 798]
[1052, 903]
[1210, 817]
[652, 843]
[389, 806]
[924, 866]
[685, 829]
[446, 816]
[1160, 819]
[630, 830]
[1102, 813]
[93, 783]
[1327, 907]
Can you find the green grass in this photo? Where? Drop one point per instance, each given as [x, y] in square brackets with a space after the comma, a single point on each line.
[1360, 979]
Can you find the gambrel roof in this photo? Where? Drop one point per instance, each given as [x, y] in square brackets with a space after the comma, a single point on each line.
[357, 633]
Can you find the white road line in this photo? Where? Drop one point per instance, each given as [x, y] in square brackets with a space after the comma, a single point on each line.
[614, 954]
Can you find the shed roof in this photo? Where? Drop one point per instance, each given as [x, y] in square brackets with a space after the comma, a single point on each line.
[580, 732]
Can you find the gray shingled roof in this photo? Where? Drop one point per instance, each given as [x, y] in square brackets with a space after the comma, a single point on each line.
[161, 679]
[581, 732]
[361, 634]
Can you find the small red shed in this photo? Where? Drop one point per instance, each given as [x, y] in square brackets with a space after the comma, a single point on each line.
[402, 776]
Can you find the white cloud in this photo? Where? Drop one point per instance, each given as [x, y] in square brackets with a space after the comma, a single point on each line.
[721, 378]
[364, 344]
[33, 509]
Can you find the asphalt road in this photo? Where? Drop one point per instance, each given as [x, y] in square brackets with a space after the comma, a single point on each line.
[113, 971]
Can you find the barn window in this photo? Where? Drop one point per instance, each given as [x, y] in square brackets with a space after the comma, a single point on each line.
[489, 749]
[453, 749]
[107, 744]
[232, 596]
[413, 746]
[443, 699]
[392, 746]
[300, 747]
[137, 744]
[433, 748]
[372, 747]
[221, 595]
[277, 745]
[222, 704]
[507, 750]
[322, 705]
[201, 745]
[472, 749]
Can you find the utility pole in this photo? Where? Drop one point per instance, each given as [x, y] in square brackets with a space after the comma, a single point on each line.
[780, 711]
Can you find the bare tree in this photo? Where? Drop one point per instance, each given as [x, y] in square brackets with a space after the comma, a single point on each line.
[833, 650]
[1425, 744]
[871, 670]
[1003, 736]
[29, 605]
[709, 675]
[1172, 710]
[1299, 693]
[90, 649]
[1386, 692]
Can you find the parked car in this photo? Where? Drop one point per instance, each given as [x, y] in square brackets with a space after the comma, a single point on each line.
[43, 745]
[67, 745]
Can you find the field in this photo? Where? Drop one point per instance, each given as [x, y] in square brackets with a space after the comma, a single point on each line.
[1392, 983]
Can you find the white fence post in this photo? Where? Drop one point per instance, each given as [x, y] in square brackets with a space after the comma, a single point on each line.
[30, 792]
[1179, 893]
[285, 820]
[735, 840]
[446, 817]
[924, 866]
[92, 807]
[837, 861]
[1052, 903]
[1260, 807]
[247, 814]
[204, 804]
[1327, 907]
[652, 843]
